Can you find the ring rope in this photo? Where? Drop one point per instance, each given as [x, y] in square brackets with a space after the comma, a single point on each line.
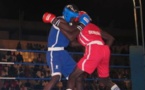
[23, 63]
[7, 77]
[45, 64]
[44, 51]
[112, 66]
[22, 78]
[20, 50]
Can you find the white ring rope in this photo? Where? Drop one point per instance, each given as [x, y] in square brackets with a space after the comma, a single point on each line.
[22, 63]
[7, 63]
[26, 78]
[21, 50]
[1, 49]
[7, 78]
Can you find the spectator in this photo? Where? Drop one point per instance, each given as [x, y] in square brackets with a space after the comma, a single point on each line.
[6, 85]
[4, 59]
[19, 46]
[28, 84]
[12, 71]
[13, 56]
[23, 87]
[39, 59]
[8, 56]
[14, 85]
[29, 46]
[1, 56]
[19, 57]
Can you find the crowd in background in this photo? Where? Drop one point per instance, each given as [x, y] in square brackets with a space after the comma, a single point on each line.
[121, 76]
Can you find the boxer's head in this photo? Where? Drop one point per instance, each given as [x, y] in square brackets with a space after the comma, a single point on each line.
[70, 11]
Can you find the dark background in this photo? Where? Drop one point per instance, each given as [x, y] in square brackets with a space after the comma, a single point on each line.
[105, 13]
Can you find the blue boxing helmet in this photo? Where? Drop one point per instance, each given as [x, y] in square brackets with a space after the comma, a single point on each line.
[70, 11]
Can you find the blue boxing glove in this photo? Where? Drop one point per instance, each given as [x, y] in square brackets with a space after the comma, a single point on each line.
[84, 19]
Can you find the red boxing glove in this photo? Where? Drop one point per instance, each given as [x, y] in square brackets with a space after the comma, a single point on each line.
[48, 17]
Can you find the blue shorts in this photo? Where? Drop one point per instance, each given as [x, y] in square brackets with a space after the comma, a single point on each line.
[60, 62]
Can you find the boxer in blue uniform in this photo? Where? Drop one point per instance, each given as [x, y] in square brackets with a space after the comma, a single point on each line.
[58, 59]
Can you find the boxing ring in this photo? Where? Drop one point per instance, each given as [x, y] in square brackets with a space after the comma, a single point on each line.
[136, 65]
[87, 80]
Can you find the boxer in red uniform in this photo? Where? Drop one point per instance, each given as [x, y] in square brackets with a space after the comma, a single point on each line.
[96, 56]
[97, 52]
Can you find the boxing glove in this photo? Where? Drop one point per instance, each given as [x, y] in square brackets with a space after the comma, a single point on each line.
[84, 19]
[48, 17]
[82, 12]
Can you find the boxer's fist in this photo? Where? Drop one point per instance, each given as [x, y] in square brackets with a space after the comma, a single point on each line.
[84, 19]
[48, 17]
[82, 12]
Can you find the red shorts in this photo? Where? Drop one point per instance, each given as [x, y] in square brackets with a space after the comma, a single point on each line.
[96, 57]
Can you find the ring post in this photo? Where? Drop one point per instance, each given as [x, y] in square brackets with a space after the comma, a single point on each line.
[137, 64]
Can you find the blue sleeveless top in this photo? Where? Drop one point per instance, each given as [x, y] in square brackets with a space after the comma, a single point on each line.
[56, 38]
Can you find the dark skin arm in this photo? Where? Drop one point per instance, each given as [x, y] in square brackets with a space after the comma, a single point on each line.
[109, 39]
[70, 31]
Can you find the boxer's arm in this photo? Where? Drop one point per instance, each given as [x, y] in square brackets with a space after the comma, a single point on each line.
[71, 35]
[70, 31]
[75, 43]
[109, 39]
[84, 19]
[65, 25]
